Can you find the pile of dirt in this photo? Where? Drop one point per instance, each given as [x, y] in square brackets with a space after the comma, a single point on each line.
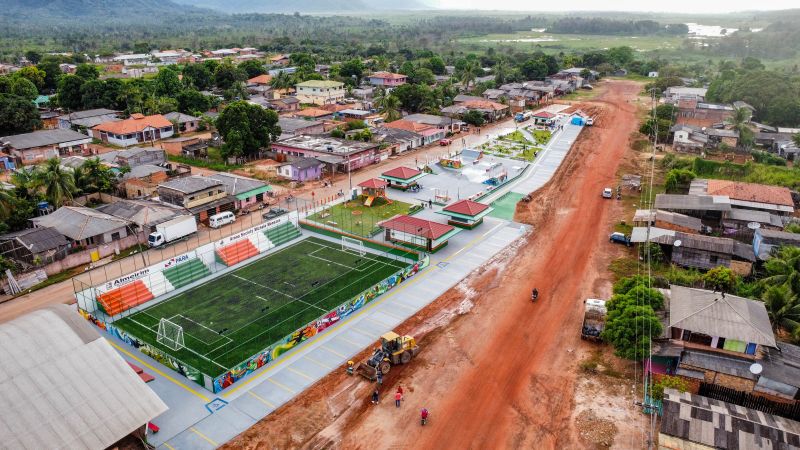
[594, 430]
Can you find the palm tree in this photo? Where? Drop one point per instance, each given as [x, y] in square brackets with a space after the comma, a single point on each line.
[739, 121]
[25, 181]
[6, 202]
[281, 81]
[389, 106]
[57, 183]
[500, 72]
[796, 139]
[783, 268]
[469, 73]
[782, 307]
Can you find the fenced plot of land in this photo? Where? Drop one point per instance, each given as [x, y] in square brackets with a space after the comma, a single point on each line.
[230, 318]
[355, 218]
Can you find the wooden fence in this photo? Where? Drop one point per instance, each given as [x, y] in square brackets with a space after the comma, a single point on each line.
[787, 410]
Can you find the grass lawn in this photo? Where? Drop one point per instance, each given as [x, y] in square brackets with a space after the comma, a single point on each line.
[516, 136]
[542, 136]
[355, 218]
[529, 153]
[232, 317]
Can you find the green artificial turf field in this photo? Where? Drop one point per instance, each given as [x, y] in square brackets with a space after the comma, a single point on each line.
[230, 318]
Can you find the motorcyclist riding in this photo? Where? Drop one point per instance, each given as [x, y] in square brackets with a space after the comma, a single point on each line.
[534, 294]
[423, 416]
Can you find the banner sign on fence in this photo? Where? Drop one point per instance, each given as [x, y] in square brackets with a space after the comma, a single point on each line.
[147, 271]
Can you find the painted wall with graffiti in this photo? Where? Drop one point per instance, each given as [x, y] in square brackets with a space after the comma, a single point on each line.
[166, 360]
[316, 327]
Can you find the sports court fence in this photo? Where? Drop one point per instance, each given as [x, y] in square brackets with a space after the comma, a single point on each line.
[339, 215]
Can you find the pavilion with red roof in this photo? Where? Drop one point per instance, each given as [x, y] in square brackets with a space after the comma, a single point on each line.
[418, 233]
[544, 117]
[402, 177]
[466, 213]
[372, 189]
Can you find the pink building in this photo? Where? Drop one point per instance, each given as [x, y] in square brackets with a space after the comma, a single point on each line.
[387, 79]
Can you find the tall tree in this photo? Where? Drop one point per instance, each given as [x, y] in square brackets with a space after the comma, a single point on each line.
[17, 115]
[226, 75]
[56, 182]
[22, 87]
[87, 71]
[253, 68]
[389, 106]
[783, 308]
[251, 127]
[69, 92]
[198, 76]
[739, 121]
[32, 74]
[167, 83]
[469, 72]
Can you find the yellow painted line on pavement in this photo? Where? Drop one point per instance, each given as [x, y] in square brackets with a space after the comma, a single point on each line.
[300, 373]
[282, 386]
[166, 444]
[261, 399]
[381, 300]
[319, 363]
[207, 439]
[333, 351]
[167, 377]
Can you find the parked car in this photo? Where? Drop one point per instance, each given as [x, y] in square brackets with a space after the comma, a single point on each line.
[445, 142]
[619, 238]
[608, 193]
[273, 213]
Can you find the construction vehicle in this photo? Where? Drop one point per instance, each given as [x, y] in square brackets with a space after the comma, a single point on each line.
[594, 319]
[394, 349]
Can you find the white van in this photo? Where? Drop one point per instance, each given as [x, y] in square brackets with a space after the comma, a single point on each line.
[221, 219]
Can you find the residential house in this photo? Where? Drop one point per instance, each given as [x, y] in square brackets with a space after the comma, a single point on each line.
[429, 133]
[690, 421]
[689, 139]
[84, 226]
[491, 111]
[668, 220]
[144, 214]
[292, 127]
[168, 57]
[675, 93]
[707, 207]
[302, 169]
[38, 146]
[279, 60]
[202, 196]
[284, 104]
[765, 242]
[138, 59]
[185, 123]
[399, 140]
[134, 130]
[84, 120]
[34, 246]
[247, 191]
[49, 119]
[193, 147]
[701, 114]
[134, 156]
[699, 251]
[721, 137]
[313, 113]
[142, 181]
[365, 93]
[340, 155]
[387, 79]
[448, 124]
[759, 197]
[578, 71]
[320, 92]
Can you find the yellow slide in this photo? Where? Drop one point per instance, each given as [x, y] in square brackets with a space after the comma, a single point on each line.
[369, 200]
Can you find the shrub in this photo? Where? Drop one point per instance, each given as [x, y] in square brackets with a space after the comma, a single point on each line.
[668, 381]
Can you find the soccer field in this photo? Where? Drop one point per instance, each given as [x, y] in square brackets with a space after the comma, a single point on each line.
[230, 318]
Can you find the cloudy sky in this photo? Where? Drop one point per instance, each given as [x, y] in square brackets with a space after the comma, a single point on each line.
[688, 6]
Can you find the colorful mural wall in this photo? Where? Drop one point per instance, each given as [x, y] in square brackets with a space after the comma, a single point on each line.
[316, 327]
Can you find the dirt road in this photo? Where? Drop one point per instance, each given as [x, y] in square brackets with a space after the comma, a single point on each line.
[496, 371]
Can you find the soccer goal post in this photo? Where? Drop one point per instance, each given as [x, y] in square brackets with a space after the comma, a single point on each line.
[353, 245]
[170, 334]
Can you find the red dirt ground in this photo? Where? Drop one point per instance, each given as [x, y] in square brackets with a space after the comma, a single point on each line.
[495, 370]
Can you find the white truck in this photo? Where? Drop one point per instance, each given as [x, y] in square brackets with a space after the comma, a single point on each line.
[594, 318]
[172, 231]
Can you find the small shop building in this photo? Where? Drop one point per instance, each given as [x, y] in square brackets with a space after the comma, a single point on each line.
[402, 177]
[466, 213]
[418, 233]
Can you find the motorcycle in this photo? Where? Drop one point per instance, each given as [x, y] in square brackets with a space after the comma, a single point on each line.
[534, 295]
[424, 417]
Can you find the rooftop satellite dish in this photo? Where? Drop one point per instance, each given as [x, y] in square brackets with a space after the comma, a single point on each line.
[756, 368]
[677, 243]
[753, 225]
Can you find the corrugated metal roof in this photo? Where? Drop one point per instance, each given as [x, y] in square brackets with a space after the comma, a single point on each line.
[37, 240]
[79, 223]
[716, 314]
[188, 185]
[692, 202]
[42, 138]
[63, 386]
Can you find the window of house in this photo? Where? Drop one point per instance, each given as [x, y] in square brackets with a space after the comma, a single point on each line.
[191, 198]
[713, 259]
[115, 236]
[211, 194]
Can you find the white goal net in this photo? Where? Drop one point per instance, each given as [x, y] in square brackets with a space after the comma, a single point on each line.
[353, 245]
[170, 334]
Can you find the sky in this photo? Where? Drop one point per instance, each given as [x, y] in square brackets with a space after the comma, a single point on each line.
[675, 6]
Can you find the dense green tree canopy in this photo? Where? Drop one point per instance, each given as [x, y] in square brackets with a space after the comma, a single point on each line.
[247, 128]
[17, 115]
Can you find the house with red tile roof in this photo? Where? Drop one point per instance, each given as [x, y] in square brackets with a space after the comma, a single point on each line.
[492, 111]
[261, 80]
[387, 79]
[429, 133]
[135, 130]
[544, 117]
[466, 213]
[773, 199]
[418, 233]
[402, 177]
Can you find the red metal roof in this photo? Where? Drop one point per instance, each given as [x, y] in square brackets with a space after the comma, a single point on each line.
[417, 227]
[134, 124]
[751, 192]
[466, 207]
[544, 114]
[373, 183]
[402, 173]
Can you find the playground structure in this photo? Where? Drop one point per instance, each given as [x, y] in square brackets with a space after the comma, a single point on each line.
[374, 189]
[465, 157]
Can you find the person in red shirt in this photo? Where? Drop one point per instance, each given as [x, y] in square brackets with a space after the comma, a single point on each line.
[398, 396]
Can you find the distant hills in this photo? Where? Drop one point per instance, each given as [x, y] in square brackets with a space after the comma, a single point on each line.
[306, 6]
[109, 10]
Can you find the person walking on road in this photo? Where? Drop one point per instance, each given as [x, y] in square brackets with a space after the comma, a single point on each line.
[400, 389]
[398, 396]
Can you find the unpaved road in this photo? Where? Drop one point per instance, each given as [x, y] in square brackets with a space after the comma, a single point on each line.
[496, 371]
